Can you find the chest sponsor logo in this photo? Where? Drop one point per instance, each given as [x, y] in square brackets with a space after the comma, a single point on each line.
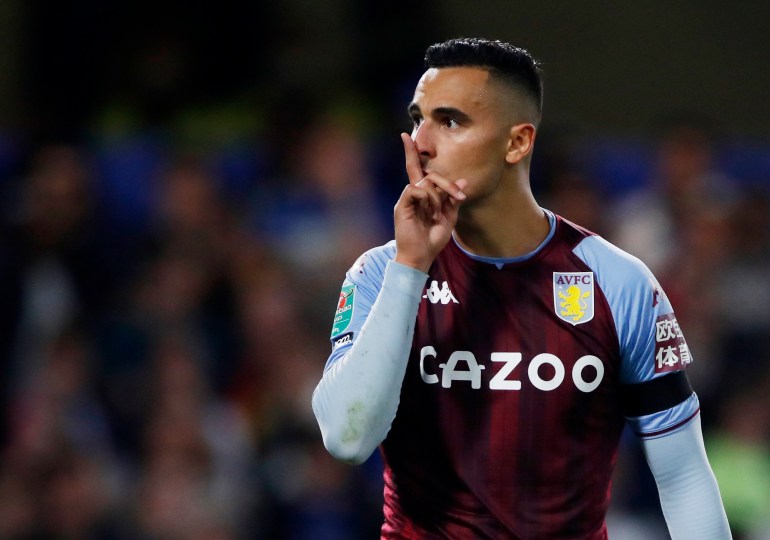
[344, 309]
[545, 371]
[442, 295]
[671, 350]
[573, 296]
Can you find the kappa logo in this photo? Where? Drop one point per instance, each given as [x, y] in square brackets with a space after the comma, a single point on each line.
[435, 295]
[573, 296]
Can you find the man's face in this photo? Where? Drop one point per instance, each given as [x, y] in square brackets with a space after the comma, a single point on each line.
[461, 127]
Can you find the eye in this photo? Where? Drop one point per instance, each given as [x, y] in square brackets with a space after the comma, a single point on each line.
[416, 120]
[450, 123]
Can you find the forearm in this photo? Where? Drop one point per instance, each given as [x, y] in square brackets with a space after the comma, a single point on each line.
[357, 398]
[689, 494]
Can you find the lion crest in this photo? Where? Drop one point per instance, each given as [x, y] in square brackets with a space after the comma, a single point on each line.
[574, 303]
[573, 296]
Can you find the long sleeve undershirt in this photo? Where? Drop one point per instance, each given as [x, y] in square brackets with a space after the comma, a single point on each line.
[357, 398]
[689, 495]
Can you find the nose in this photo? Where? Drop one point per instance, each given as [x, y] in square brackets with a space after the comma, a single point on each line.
[421, 135]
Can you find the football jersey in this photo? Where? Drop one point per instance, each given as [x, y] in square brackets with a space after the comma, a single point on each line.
[520, 377]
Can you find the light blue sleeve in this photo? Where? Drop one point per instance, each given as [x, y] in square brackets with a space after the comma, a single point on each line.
[359, 291]
[650, 340]
[689, 494]
[357, 397]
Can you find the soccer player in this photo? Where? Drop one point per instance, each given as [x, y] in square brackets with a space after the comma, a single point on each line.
[494, 350]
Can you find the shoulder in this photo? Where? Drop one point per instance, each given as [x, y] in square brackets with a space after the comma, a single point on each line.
[629, 286]
[369, 268]
[633, 293]
[612, 264]
[644, 317]
[614, 268]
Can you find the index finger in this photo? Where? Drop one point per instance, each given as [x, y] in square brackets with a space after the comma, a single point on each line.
[413, 167]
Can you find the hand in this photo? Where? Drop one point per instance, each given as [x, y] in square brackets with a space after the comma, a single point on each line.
[426, 212]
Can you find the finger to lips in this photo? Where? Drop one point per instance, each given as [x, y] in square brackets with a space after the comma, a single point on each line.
[413, 167]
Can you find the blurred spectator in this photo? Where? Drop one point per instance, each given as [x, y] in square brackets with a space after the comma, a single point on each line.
[196, 479]
[577, 197]
[59, 460]
[18, 516]
[75, 501]
[54, 256]
[649, 222]
[180, 287]
[743, 292]
[694, 282]
[323, 208]
[277, 370]
[189, 210]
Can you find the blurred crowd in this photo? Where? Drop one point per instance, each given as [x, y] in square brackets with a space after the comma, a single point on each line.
[166, 312]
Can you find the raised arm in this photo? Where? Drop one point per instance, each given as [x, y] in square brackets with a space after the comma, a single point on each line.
[357, 398]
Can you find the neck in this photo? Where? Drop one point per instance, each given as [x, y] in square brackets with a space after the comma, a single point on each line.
[505, 228]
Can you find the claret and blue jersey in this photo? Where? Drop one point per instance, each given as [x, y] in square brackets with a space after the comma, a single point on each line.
[521, 375]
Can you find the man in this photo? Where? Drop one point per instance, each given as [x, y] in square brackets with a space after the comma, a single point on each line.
[493, 348]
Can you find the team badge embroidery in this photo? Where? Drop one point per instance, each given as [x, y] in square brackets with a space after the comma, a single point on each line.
[344, 312]
[573, 296]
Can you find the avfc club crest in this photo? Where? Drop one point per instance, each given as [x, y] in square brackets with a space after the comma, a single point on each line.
[573, 296]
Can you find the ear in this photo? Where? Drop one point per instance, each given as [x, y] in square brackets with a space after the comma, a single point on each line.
[520, 142]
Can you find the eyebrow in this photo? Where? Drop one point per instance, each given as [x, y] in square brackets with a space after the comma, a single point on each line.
[440, 111]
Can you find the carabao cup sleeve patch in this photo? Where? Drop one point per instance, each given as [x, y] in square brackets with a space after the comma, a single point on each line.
[344, 312]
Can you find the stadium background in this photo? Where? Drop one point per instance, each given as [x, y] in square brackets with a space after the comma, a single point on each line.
[183, 185]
